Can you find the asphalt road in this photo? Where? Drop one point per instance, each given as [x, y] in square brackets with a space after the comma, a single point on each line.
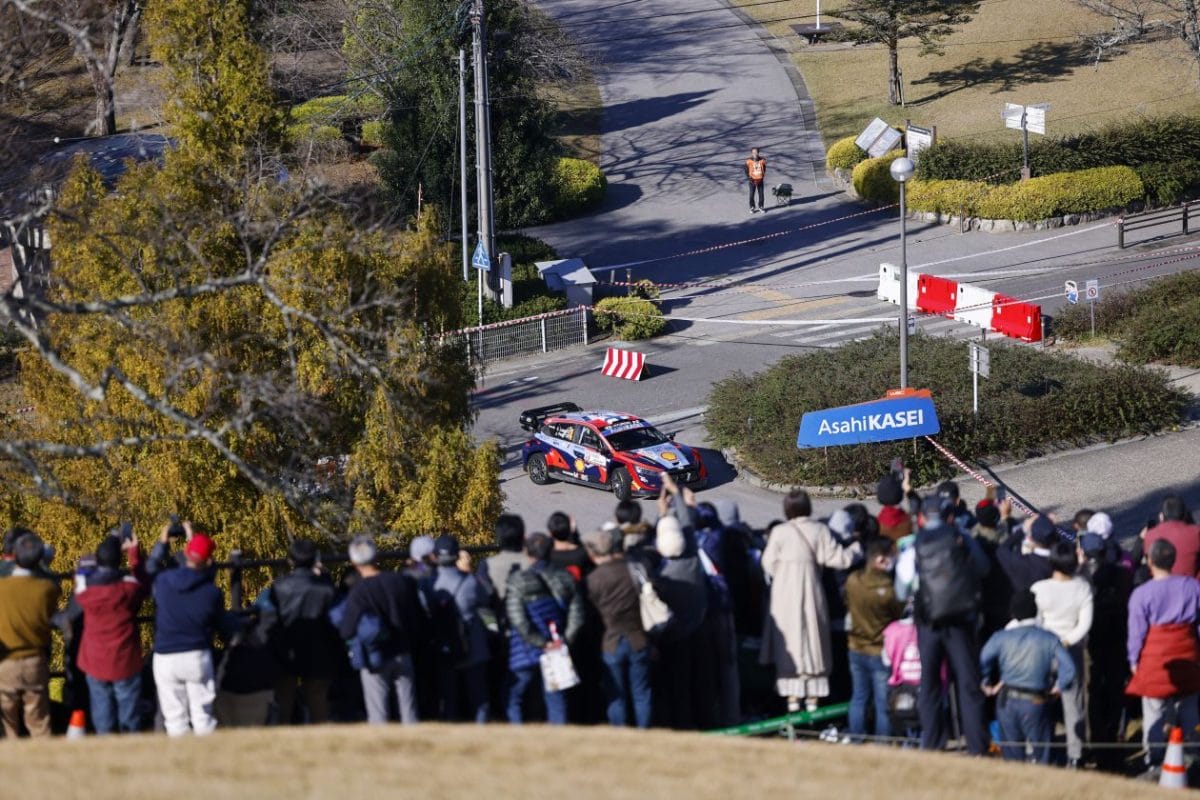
[681, 109]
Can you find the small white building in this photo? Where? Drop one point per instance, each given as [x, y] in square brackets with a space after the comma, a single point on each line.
[569, 276]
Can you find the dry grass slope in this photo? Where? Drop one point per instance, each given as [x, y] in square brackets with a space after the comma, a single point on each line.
[495, 763]
[1015, 51]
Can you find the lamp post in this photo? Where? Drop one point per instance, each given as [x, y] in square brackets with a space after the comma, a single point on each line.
[902, 169]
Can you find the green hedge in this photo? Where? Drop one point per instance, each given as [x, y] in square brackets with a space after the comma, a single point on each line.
[373, 133]
[873, 181]
[1035, 199]
[1169, 183]
[844, 154]
[1162, 140]
[630, 318]
[1159, 322]
[579, 186]
[1033, 401]
[334, 109]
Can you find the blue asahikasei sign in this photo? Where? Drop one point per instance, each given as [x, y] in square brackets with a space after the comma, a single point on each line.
[878, 421]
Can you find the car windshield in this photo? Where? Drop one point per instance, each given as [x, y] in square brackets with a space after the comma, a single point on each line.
[636, 438]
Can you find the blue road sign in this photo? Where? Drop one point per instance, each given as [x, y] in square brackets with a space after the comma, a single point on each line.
[480, 260]
[877, 421]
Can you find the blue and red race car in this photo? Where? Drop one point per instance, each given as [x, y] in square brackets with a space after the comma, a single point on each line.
[620, 452]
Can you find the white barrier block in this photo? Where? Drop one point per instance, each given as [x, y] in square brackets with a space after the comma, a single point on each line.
[974, 306]
[889, 285]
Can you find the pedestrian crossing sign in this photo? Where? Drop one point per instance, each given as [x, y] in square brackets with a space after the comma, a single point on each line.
[480, 260]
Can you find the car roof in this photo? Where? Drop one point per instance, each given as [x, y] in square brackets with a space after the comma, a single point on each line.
[598, 419]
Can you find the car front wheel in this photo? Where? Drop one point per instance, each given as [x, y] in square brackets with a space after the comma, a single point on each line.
[620, 483]
[539, 473]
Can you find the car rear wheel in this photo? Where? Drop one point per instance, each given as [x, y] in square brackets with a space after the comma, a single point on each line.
[620, 483]
[539, 473]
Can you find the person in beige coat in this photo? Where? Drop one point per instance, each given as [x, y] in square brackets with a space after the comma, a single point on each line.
[796, 632]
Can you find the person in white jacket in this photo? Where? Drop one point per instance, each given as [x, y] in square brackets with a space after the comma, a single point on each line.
[1064, 602]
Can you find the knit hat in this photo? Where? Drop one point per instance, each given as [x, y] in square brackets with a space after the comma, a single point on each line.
[1091, 543]
[669, 538]
[200, 547]
[361, 551]
[889, 492]
[1042, 530]
[894, 523]
[987, 513]
[108, 553]
[421, 548]
[1100, 524]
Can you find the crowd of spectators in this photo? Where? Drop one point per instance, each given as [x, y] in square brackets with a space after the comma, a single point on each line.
[697, 621]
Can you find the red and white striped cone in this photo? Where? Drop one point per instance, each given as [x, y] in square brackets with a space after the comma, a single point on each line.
[1174, 773]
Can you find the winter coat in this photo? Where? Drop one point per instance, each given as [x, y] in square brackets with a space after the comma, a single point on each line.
[796, 633]
[187, 611]
[469, 596]
[535, 598]
[110, 648]
[305, 642]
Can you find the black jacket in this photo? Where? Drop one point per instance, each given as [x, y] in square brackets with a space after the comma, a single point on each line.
[393, 597]
[304, 639]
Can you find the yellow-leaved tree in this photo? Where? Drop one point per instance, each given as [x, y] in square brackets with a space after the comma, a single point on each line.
[218, 341]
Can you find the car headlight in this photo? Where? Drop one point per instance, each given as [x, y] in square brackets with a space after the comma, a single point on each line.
[648, 475]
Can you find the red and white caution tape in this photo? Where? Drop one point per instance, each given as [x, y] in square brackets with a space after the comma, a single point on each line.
[958, 462]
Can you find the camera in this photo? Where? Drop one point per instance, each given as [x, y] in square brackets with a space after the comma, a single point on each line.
[176, 530]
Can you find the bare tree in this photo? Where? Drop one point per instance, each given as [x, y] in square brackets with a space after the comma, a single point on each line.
[1135, 21]
[101, 32]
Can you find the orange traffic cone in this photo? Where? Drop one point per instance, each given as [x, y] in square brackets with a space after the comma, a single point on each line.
[1174, 774]
[76, 728]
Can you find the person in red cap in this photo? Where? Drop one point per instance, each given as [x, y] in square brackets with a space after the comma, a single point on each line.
[188, 607]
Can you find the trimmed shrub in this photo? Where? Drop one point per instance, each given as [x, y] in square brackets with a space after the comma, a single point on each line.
[321, 142]
[1034, 401]
[844, 154]
[1035, 199]
[1170, 182]
[630, 318]
[336, 108]
[579, 186]
[1165, 139]
[872, 180]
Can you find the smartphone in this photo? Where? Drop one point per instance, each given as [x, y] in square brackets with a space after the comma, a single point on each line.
[1001, 494]
[898, 468]
[126, 531]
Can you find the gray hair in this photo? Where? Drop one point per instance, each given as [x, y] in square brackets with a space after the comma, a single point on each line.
[599, 543]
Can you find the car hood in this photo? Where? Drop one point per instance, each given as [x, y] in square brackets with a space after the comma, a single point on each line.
[664, 456]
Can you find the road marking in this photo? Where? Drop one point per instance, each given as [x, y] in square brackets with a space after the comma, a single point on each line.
[791, 306]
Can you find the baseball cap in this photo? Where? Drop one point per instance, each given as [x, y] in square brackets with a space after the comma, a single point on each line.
[935, 505]
[421, 548]
[446, 545]
[200, 547]
[948, 489]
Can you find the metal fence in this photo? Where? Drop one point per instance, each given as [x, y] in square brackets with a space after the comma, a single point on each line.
[522, 337]
[1179, 216]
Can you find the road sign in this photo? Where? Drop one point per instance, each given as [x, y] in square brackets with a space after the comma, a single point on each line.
[1035, 118]
[981, 360]
[1092, 290]
[878, 421]
[1072, 289]
[1013, 116]
[480, 260]
[912, 325]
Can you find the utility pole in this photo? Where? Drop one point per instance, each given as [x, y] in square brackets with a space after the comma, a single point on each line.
[483, 135]
[462, 158]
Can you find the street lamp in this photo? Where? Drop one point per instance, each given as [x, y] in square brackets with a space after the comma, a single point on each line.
[902, 169]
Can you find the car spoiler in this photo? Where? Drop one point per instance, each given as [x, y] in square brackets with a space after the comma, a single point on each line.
[532, 419]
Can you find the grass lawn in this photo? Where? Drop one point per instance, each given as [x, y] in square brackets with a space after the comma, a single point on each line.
[1014, 51]
[501, 761]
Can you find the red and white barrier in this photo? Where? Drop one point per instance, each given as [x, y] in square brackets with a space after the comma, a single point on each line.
[625, 364]
[963, 302]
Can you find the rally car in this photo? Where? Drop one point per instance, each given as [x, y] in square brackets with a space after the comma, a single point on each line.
[620, 452]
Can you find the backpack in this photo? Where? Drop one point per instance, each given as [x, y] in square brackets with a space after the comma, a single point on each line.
[449, 630]
[366, 648]
[948, 589]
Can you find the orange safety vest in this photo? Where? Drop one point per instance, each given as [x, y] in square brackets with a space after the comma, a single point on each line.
[756, 169]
